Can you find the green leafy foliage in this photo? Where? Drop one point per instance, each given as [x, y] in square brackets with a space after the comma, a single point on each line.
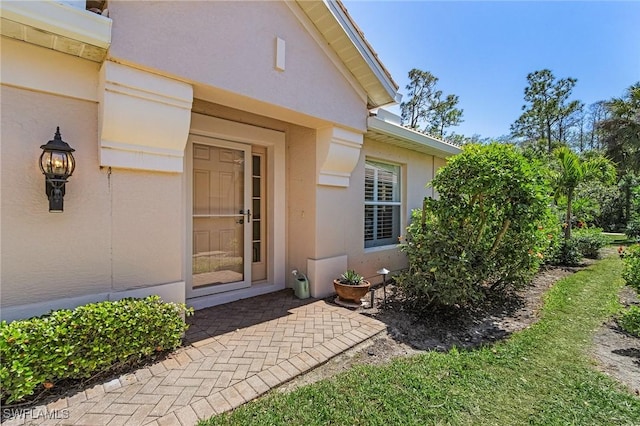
[566, 253]
[629, 320]
[631, 271]
[600, 205]
[633, 226]
[570, 170]
[77, 344]
[589, 241]
[488, 232]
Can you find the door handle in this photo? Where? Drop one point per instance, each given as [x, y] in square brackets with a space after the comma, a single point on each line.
[248, 213]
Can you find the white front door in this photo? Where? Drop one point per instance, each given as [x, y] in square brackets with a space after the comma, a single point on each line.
[221, 216]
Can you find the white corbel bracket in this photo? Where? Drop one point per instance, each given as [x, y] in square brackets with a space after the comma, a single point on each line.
[144, 119]
[338, 152]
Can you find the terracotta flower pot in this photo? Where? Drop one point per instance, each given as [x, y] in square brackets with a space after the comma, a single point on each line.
[351, 293]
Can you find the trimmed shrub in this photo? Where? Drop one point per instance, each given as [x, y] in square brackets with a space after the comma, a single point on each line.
[487, 232]
[631, 272]
[65, 344]
[567, 253]
[629, 320]
[589, 241]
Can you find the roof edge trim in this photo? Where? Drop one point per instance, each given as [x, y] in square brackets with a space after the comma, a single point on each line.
[418, 139]
[365, 49]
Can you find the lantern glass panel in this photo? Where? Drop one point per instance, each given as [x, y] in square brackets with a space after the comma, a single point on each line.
[57, 163]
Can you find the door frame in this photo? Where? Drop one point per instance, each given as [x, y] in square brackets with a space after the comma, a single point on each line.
[273, 141]
[246, 232]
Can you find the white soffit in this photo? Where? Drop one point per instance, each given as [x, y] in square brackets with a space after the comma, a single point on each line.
[57, 26]
[144, 119]
[340, 32]
[393, 134]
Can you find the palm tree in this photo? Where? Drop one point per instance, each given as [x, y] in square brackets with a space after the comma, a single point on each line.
[573, 170]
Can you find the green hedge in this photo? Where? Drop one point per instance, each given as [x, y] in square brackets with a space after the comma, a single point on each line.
[65, 344]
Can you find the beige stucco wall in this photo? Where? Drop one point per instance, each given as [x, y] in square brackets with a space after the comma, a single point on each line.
[46, 255]
[119, 230]
[231, 46]
[302, 207]
[147, 228]
[417, 171]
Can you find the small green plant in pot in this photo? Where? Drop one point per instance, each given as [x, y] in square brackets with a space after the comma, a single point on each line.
[351, 287]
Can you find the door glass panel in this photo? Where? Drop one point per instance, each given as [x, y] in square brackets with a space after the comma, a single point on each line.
[218, 216]
[259, 265]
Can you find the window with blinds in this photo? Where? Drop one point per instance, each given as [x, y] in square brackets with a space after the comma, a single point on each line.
[381, 204]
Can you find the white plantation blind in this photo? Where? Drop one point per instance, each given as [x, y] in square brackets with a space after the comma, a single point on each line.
[381, 204]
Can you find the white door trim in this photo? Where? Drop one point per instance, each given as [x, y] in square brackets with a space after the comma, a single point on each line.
[274, 142]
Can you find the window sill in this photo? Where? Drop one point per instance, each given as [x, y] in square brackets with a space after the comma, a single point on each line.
[381, 248]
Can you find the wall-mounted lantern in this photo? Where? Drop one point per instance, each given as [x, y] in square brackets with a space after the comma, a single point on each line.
[57, 164]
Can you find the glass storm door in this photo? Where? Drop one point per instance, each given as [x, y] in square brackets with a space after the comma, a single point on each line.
[221, 257]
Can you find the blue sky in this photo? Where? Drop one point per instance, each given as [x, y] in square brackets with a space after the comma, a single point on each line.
[482, 51]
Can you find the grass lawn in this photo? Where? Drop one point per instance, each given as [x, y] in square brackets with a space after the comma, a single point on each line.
[541, 375]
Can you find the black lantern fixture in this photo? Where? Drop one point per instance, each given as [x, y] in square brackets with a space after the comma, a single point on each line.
[57, 164]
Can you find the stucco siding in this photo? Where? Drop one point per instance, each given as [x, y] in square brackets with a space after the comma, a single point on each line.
[119, 230]
[147, 228]
[301, 185]
[46, 255]
[231, 46]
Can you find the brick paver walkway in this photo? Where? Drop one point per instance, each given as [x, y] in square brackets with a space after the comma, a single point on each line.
[238, 352]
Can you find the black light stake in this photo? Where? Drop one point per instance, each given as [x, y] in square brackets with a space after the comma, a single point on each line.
[57, 165]
[384, 272]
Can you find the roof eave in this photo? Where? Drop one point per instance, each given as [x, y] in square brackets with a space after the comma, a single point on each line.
[366, 50]
[407, 138]
[359, 57]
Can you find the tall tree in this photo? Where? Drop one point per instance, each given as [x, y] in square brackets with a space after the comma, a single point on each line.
[621, 130]
[547, 108]
[597, 113]
[426, 106]
[620, 133]
[573, 170]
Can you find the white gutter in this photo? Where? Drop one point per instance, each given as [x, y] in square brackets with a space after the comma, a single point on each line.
[416, 140]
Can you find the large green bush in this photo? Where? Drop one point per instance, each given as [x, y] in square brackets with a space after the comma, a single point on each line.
[488, 232]
[589, 241]
[77, 344]
[631, 271]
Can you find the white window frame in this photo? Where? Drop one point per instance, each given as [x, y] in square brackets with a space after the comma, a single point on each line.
[376, 243]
